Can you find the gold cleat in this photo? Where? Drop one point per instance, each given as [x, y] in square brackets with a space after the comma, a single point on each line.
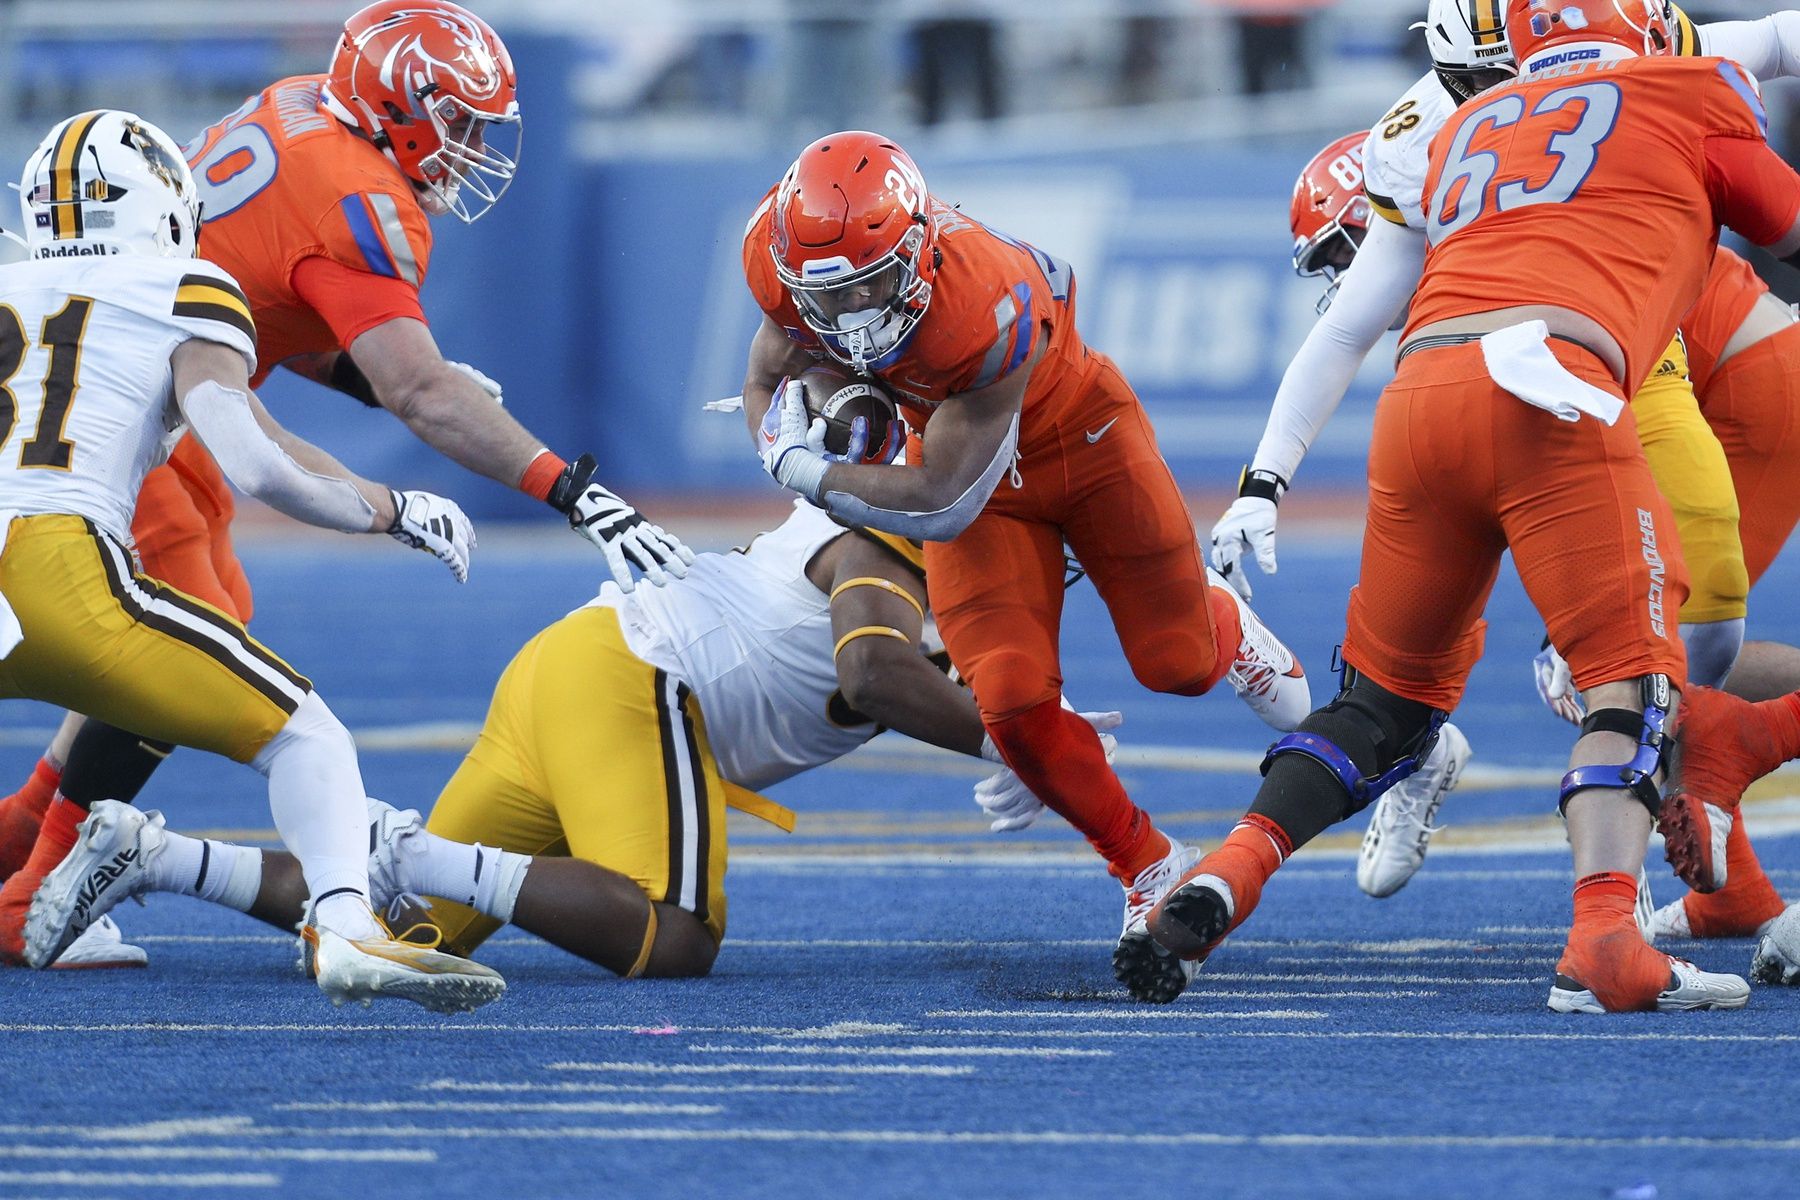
[365, 969]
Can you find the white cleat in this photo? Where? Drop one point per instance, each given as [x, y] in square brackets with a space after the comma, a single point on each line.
[113, 850]
[1148, 971]
[1401, 826]
[101, 946]
[1669, 921]
[387, 827]
[1778, 954]
[1689, 989]
[365, 969]
[1265, 674]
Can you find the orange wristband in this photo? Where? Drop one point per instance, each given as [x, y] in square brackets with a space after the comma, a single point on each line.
[542, 474]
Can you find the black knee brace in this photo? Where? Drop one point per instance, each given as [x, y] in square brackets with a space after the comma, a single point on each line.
[1367, 737]
[108, 763]
[1639, 775]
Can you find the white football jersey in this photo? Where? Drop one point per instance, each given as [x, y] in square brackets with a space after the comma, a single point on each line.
[1397, 154]
[751, 637]
[84, 361]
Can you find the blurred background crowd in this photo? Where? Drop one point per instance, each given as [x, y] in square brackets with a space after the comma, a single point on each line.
[1152, 143]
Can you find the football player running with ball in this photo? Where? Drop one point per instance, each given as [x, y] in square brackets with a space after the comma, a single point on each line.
[315, 198]
[113, 338]
[1506, 427]
[1026, 440]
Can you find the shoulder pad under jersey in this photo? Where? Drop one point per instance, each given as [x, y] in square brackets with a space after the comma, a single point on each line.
[1398, 153]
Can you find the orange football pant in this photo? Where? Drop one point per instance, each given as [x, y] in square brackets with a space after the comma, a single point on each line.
[1459, 472]
[1753, 406]
[1089, 475]
[183, 530]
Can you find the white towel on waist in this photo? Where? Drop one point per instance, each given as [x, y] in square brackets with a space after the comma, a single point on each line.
[1519, 360]
[10, 632]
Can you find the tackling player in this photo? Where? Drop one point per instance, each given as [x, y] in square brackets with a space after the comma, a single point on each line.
[1506, 428]
[112, 339]
[316, 194]
[591, 810]
[1027, 440]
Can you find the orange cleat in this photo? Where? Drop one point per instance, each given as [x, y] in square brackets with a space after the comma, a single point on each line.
[1724, 745]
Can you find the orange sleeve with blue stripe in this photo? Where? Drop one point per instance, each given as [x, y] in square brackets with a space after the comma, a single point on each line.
[1015, 332]
[380, 233]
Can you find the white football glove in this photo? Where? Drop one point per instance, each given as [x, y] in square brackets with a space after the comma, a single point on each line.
[621, 532]
[1556, 686]
[1249, 524]
[435, 525]
[1004, 796]
[477, 378]
[793, 444]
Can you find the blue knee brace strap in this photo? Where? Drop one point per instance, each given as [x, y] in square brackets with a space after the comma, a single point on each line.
[1639, 775]
[1363, 789]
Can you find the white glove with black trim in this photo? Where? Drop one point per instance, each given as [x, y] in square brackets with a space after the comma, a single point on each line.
[435, 525]
[620, 531]
[478, 379]
[1556, 685]
[1248, 525]
[1004, 796]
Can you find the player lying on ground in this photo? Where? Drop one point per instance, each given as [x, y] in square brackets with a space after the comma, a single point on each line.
[1027, 440]
[316, 198]
[112, 339]
[591, 810]
[1506, 428]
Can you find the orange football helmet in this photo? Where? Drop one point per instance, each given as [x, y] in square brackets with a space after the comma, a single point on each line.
[1330, 214]
[430, 82]
[854, 243]
[1640, 26]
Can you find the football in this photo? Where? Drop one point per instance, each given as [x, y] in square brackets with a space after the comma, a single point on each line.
[840, 398]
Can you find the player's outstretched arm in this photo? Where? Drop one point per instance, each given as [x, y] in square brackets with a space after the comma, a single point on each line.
[1373, 294]
[877, 621]
[452, 409]
[295, 477]
[1768, 48]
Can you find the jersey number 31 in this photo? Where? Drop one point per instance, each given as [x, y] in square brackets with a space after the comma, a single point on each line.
[1468, 188]
[61, 336]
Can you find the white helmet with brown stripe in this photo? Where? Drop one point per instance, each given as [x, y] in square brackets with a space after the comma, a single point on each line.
[1467, 40]
[108, 182]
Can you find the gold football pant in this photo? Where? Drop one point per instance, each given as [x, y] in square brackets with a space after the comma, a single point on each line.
[592, 752]
[123, 648]
[1692, 472]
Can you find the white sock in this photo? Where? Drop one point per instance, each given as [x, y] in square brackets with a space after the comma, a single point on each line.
[316, 797]
[209, 870]
[485, 879]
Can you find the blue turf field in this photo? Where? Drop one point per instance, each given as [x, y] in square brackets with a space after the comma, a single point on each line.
[906, 1005]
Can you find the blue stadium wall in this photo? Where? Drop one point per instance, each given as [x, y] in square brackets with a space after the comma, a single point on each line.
[608, 299]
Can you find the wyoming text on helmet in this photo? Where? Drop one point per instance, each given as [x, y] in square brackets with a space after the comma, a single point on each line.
[854, 244]
[433, 87]
[108, 182]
